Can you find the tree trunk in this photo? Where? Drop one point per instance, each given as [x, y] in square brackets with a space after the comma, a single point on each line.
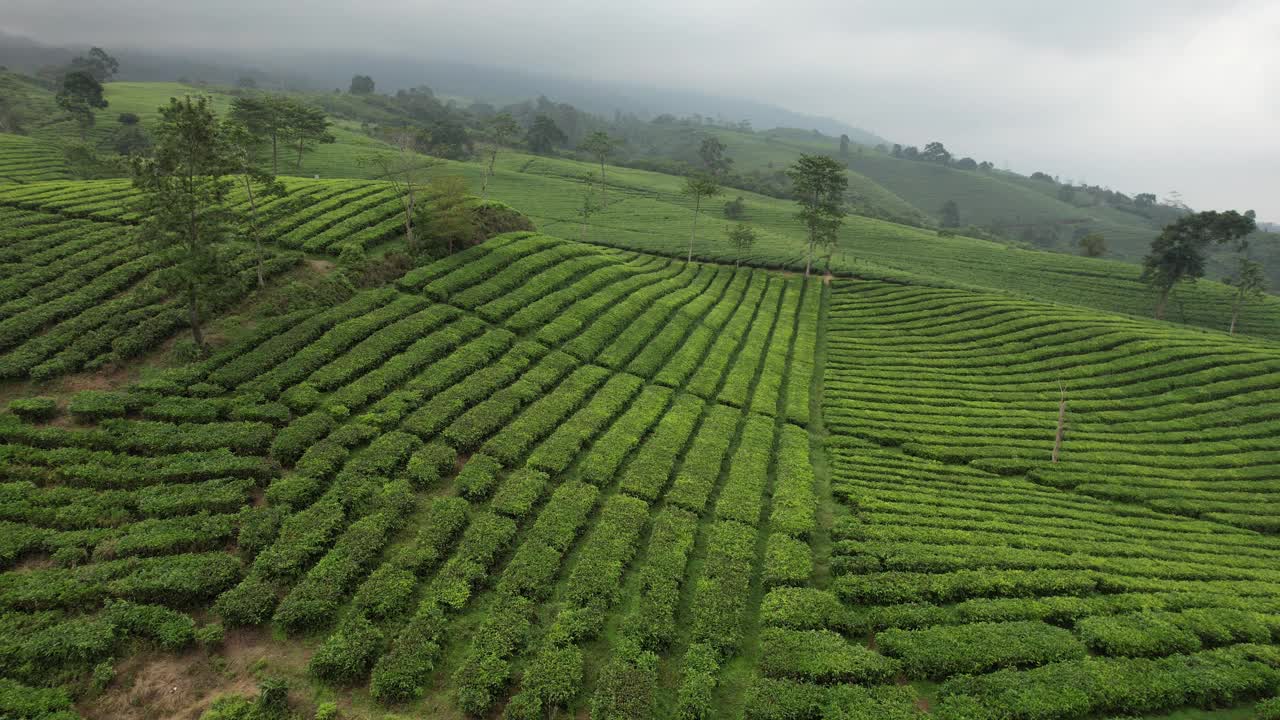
[300, 148]
[409, 241]
[697, 205]
[1161, 303]
[253, 228]
[484, 188]
[193, 316]
[604, 186]
[808, 258]
[1062, 425]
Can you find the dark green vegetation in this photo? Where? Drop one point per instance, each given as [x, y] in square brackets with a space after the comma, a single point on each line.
[539, 476]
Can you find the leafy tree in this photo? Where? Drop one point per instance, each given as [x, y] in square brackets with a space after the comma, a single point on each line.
[502, 130]
[307, 126]
[950, 214]
[544, 135]
[819, 184]
[241, 142]
[844, 145]
[267, 118]
[448, 139]
[742, 237]
[698, 186]
[1093, 245]
[1042, 176]
[599, 145]
[406, 171]
[98, 64]
[897, 150]
[714, 160]
[446, 217]
[936, 152]
[986, 165]
[12, 115]
[1177, 254]
[590, 206]
[247, 82]
[911, 152]
[361, 85]
[1144, 199]
[184, 187]
[967, 163]
[735, 209]
[1250, 283]
[79, 94]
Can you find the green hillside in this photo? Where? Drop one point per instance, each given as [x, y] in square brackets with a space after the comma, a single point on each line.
[567, 473]
[540, 474]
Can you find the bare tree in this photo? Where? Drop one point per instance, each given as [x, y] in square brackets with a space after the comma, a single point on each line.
[502, 130]
[406, 170]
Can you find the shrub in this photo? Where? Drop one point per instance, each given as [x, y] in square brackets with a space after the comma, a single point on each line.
[951, 650]
[478, 476]
[35, 409]
[787, 561]
[210, 636]
[91, 405]
[430, 464]
[347, 655]
[821, 656]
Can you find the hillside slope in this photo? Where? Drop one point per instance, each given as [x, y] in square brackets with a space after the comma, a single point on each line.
[542, 475]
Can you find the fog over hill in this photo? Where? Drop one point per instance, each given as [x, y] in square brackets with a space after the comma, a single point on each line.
[1137, 95]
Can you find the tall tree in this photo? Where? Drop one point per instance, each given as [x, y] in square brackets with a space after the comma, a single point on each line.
[698, 186]
[307, 127]
[936, 152]
[446, 215]
[98, 64]
[1094, 245]
[257, 184]
[590, 206]
[1250, 283]
[600, 145]
[184, 187]
[267, 118]
[361, 85]
[80, 94]
[1178, 253]
[950, 214]
[714, 160]
[819, 184]
[544, 135]
[844, 145]
[502, 131]
[406, 170]
[741, 237]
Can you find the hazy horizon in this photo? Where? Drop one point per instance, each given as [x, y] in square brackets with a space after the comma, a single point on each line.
[1137, 96]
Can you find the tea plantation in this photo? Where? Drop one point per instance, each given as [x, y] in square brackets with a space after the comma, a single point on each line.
[566, 473]
[544, 475]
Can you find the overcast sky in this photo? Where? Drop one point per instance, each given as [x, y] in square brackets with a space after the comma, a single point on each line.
[1138, 95]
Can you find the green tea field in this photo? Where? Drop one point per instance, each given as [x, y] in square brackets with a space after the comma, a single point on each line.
[567, 452]
[543, 477]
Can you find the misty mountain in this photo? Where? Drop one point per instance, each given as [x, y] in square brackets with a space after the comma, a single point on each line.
[498, 85]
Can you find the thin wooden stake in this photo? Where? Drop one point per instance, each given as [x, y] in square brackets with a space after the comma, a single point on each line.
[1062, 422]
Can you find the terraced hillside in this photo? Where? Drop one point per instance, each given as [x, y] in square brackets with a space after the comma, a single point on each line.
[542, 476]
[1178, 420]
[500, 445]
[23, 160]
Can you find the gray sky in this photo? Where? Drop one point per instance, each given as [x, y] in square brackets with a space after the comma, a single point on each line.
[1138, 95]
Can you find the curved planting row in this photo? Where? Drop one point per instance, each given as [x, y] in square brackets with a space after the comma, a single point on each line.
[77, 294]
[957, 558]
[1182, 422]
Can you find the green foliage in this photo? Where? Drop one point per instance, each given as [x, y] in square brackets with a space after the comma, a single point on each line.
[35, 409]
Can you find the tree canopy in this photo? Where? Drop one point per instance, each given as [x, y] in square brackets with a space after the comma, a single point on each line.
[820, 184]
[1178, 253]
